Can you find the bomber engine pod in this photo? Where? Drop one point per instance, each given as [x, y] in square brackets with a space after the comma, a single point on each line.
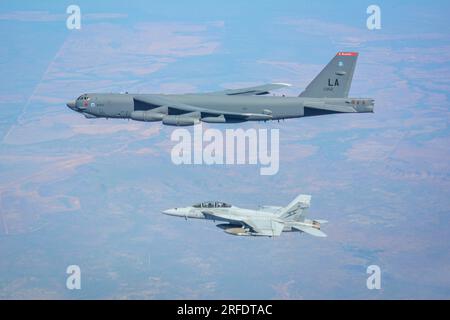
[219, 119]
[179, 121]
[146, 116]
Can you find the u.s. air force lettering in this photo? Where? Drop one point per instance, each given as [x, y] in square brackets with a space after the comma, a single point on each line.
[334, 83]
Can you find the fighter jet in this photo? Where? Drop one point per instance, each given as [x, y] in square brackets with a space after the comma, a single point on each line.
[267, 221]
[326, 94]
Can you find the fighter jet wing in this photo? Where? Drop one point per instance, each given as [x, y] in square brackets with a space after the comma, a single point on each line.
[250, 91]
[160, 103]
[271, 209]
[262, 226]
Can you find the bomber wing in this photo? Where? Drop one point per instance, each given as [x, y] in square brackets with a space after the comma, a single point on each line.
[161, 104]
[250, 91]
[261, 226]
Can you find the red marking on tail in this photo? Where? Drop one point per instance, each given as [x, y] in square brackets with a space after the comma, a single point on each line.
[347, 54]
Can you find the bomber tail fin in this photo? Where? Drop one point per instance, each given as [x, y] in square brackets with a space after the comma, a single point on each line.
[335, 79]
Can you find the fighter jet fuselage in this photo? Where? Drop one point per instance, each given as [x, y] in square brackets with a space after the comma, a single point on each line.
[327, 94]
[268, 221]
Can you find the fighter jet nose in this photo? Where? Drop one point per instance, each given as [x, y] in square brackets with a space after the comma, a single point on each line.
[170, 212]
[71, 104]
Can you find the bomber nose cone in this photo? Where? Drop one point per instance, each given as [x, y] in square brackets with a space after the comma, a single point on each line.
[71, 104]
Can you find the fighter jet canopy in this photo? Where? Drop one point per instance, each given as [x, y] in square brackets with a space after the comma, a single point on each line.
[212, 204]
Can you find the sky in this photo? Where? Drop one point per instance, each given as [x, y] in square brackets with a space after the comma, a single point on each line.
[90, 192]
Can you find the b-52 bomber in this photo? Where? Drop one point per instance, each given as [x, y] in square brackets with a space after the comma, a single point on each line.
[268, 221]
[326, 94]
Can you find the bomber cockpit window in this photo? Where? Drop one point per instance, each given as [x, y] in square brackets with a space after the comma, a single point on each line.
[197, 205]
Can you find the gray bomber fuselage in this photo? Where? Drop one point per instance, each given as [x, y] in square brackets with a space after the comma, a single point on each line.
[114, 105]
[326, 94]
